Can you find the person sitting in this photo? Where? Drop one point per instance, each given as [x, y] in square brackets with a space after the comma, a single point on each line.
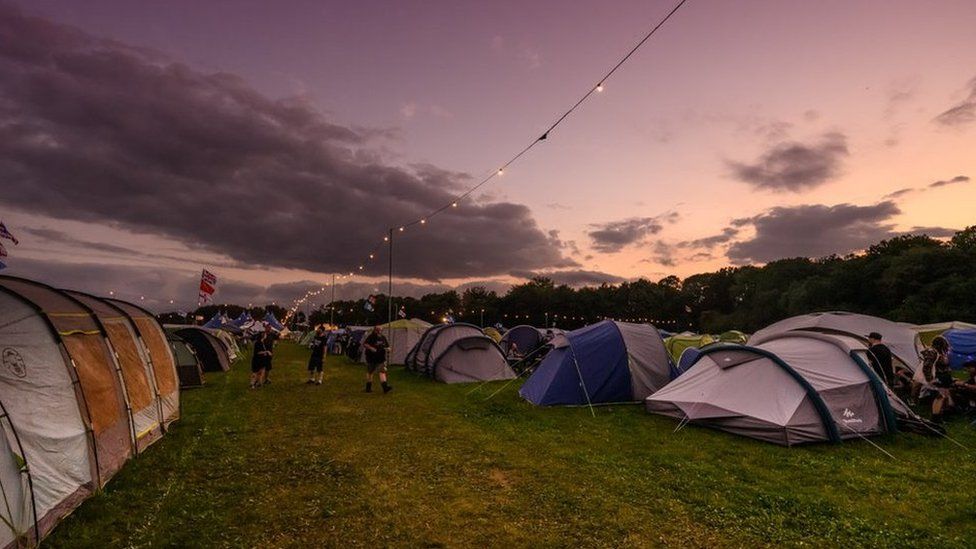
[513, 352]
[937, 378]
[964, 391]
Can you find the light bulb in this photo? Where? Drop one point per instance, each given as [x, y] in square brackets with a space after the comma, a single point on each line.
[454, 204]
[599, 87]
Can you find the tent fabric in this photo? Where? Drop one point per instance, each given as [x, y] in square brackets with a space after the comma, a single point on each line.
[471, 358]
[901, 339]
[17, 519]
[677, 343]
[494, 334]
[795, 387]
[160, 356]
[927, 332]
[189, 369]
[962, 345]
[135, 368]
[272, 321]
[601, 363]
[733, 336]
[209, 350]
[229, 343]
[434, 341]
[403, 335]
[526, 338]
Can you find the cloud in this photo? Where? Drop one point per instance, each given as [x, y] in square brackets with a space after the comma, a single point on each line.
[710, 242]
[662, 253]
[98, 131]
[901, 192]
[613, 236]
[793, 166]
[964, 112]
[814, 230]
[934, 232]
[957, 179]
[575, 278]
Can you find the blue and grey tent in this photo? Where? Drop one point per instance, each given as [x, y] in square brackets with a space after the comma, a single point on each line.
[963, 345]
[270, 320]
[526, 339]
[601, 363]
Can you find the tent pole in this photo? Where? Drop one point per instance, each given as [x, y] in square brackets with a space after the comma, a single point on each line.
[389, 299]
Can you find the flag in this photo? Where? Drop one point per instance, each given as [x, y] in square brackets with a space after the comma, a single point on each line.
[208, 285]
[4, 233]
[370, 301]
[3, 251]
[402, 313]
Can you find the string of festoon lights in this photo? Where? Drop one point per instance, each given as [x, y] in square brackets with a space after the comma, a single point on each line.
[457, 200]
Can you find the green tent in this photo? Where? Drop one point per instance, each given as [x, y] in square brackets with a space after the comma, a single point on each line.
[677, 343]
[733, 336]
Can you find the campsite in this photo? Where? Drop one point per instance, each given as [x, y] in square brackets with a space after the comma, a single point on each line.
[508, 273]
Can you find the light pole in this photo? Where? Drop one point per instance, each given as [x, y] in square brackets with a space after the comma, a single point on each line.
[332, 303]
[482, 318]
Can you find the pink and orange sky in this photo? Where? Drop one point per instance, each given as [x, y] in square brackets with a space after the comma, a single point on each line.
[274, 143]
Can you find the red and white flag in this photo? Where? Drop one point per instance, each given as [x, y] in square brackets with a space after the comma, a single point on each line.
[208, 285]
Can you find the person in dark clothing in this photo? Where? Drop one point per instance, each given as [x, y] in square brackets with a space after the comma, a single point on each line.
[964, 391]
[938, 378]
[317, 358]
[261, 358]
[880, 356]
[374, 348]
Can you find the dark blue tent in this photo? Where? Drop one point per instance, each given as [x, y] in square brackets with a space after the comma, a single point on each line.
[270, 320]
[604, 362]
[526, 339]
[215, 322]
[241, 320]
[963, 347]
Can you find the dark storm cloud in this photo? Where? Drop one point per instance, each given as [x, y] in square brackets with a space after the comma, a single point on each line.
[98, 131]
[944, 182]
[814, 230]
[613, 236]
[793, 166]
[575, 278]
[963, 113]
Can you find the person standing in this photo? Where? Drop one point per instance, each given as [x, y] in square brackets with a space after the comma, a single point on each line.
[317, 358]
[261, 358]
[937, 378]
[374, 348]
[880, 356]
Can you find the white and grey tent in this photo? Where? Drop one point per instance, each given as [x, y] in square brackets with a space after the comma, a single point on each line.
[65, 413]
[459, 353]
[788, 388]
[900, 338]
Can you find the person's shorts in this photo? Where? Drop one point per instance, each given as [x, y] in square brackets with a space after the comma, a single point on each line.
[258, 366]
[377, 367]
[315, 365]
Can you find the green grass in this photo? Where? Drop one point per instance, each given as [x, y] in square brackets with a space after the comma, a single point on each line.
[430, 465]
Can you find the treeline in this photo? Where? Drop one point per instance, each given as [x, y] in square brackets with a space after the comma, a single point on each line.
[911, 278]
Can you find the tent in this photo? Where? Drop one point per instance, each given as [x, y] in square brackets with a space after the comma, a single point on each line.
[205, 345]
[229, 343]
[962, 344]
[901, 339]
[605, 362]
[494, 334]
[270, 320]
[733, 336]
[927, 332]
[216, 321]
[67, 429]
[243, 319]
[158, 352]
[187, 364]
[435, 341]
[403, 334]
[145, 410]
[526, 339]
[677, 343]
[460, 353]
[786, 388]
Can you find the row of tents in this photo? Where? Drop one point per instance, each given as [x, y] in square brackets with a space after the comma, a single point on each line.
[197, 350]
[86, 383]
[804, 379]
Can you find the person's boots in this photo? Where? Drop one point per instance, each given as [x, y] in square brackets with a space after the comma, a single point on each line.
[369, 387]
[386, 388]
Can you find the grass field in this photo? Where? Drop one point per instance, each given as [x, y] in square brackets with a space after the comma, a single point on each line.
[430, 465]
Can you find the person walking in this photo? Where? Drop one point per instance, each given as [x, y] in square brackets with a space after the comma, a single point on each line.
[374, 347]
[261, 358]
[317, 358]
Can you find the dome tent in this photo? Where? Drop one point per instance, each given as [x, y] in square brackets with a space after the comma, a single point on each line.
[601, 363]
[63, 401]
[211, 352]
[788, 388]
[188, 366]
[678, 343]
[526, 339]
[402, 335]
[901, 339]
[459, 353]
[963, 347]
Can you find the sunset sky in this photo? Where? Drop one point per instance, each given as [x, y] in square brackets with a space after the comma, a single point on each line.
[274, 143]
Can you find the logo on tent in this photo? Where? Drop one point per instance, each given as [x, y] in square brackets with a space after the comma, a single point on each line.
[849, 416]
[14, 362]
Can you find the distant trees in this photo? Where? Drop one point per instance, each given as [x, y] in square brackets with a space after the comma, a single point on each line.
[912, 278]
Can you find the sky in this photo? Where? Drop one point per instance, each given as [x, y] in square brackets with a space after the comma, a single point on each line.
[275, 143]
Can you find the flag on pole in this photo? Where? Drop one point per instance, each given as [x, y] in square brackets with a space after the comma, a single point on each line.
[208, 285]
[402, 313]
[4, 233]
